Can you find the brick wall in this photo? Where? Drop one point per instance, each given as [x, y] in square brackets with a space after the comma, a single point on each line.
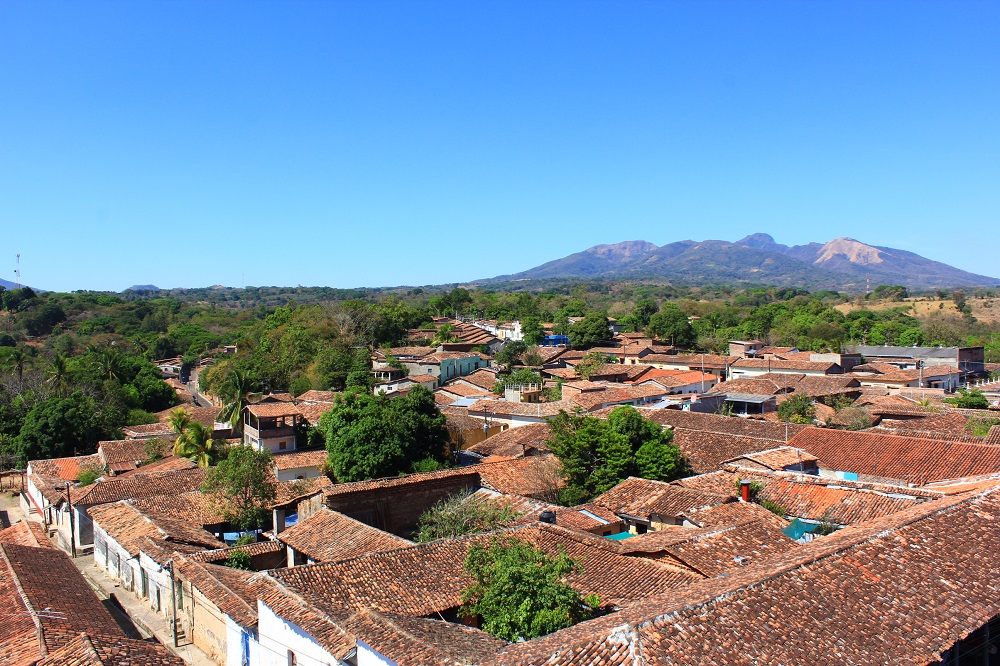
[397, 508]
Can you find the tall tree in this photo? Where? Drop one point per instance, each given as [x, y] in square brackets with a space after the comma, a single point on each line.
[672, 324]
[195, 443]
[597, 454]
[242, 486]
[590, 331]
[520, 592]
[369, 436]
[236, 393]
[57, 375]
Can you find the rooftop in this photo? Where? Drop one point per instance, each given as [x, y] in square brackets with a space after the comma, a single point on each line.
[329, 536]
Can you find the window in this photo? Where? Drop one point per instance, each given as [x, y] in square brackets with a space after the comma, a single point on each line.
[282, 445]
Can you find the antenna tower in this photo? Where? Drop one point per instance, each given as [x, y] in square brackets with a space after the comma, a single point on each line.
[17, 271]
[868, 284]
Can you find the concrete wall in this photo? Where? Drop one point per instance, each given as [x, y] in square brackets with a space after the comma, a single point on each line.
[279, 637]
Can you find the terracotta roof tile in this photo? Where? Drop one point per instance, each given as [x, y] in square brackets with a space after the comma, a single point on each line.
[138, 486]
[26, 533]
[299, 459]
[909, 459]
[429, 578]
[872, 581]
[328, 536]
[67, 469]
[515, 442]
[643, 498]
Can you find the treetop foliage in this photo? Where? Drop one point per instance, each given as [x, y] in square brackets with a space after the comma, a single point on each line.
[520, 592]
[597, 454]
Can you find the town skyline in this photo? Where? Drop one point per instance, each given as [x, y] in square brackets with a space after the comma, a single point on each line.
[340, 137]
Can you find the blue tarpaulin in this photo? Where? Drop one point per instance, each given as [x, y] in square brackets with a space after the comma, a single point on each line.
[797, 528]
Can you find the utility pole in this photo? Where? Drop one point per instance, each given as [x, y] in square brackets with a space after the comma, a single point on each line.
[17, 271]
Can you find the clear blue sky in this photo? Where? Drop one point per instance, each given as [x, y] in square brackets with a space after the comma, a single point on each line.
[372, 143]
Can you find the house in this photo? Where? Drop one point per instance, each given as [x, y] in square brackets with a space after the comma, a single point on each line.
[121, 531]
[216, 610]
[880, 373]
[305, 464]
[75, 511]
[329, 536]
[892, 459]
[647, 505]
[968, 360]
[53, 618]
[754, 367]
[745, 348]
[271, 426]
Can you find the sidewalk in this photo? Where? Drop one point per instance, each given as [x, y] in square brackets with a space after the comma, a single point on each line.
[146, 620]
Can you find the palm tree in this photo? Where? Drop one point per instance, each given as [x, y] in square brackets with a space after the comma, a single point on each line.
[195, 443]
[57, 374]
[109, 362]
[236, 393]
[179, 420]
[15, 359]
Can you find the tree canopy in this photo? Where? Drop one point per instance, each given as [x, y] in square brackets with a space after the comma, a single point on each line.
[242, 486]
[597, 454]
[520, 592]
[372, 436]
[797, 408]
[463, 514]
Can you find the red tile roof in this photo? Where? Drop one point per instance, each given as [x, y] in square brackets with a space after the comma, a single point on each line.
[138, 486]
[515, 442]
[643, 498]
[67, 469]
[26, 533]
[429, 578]
[328, 536]
[300, 459]
[869, 581]
[910, 459]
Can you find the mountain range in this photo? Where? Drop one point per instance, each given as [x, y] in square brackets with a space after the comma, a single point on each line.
[843, 264]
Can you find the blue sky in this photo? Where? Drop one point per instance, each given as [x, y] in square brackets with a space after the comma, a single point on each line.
[376, 143]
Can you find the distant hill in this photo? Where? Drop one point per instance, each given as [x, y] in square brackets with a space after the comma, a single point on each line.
[7, 284]
[839, 264]
[143, 287]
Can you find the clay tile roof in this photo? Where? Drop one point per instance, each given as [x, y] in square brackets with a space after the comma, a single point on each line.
[314, 412]
[843, 506]
[515, 442]
[776, 364]
[536, 409]
[288, 493]
[194, 507]
[168, 464]
[222, 554]
[67, 469]
[531, 476]
[422, 379]
[328, 536]
[779, 458]
[909, 459]
[46, 603]
[733, 513]
[643, 497]
[138, 486]
[464, 390]
[273, 409]
[484, 378]
[298, 459]
[26, 533]
[872, 580]
[422, 641]
[207, 416]
[318, 396]
[429, 578]
[225, 587]
[126, 525]
[124, 450]
[730, 547]
[149, 430]
[99, 649]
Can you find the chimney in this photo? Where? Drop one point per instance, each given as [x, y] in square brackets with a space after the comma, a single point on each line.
[745, 490]
[547, 516]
